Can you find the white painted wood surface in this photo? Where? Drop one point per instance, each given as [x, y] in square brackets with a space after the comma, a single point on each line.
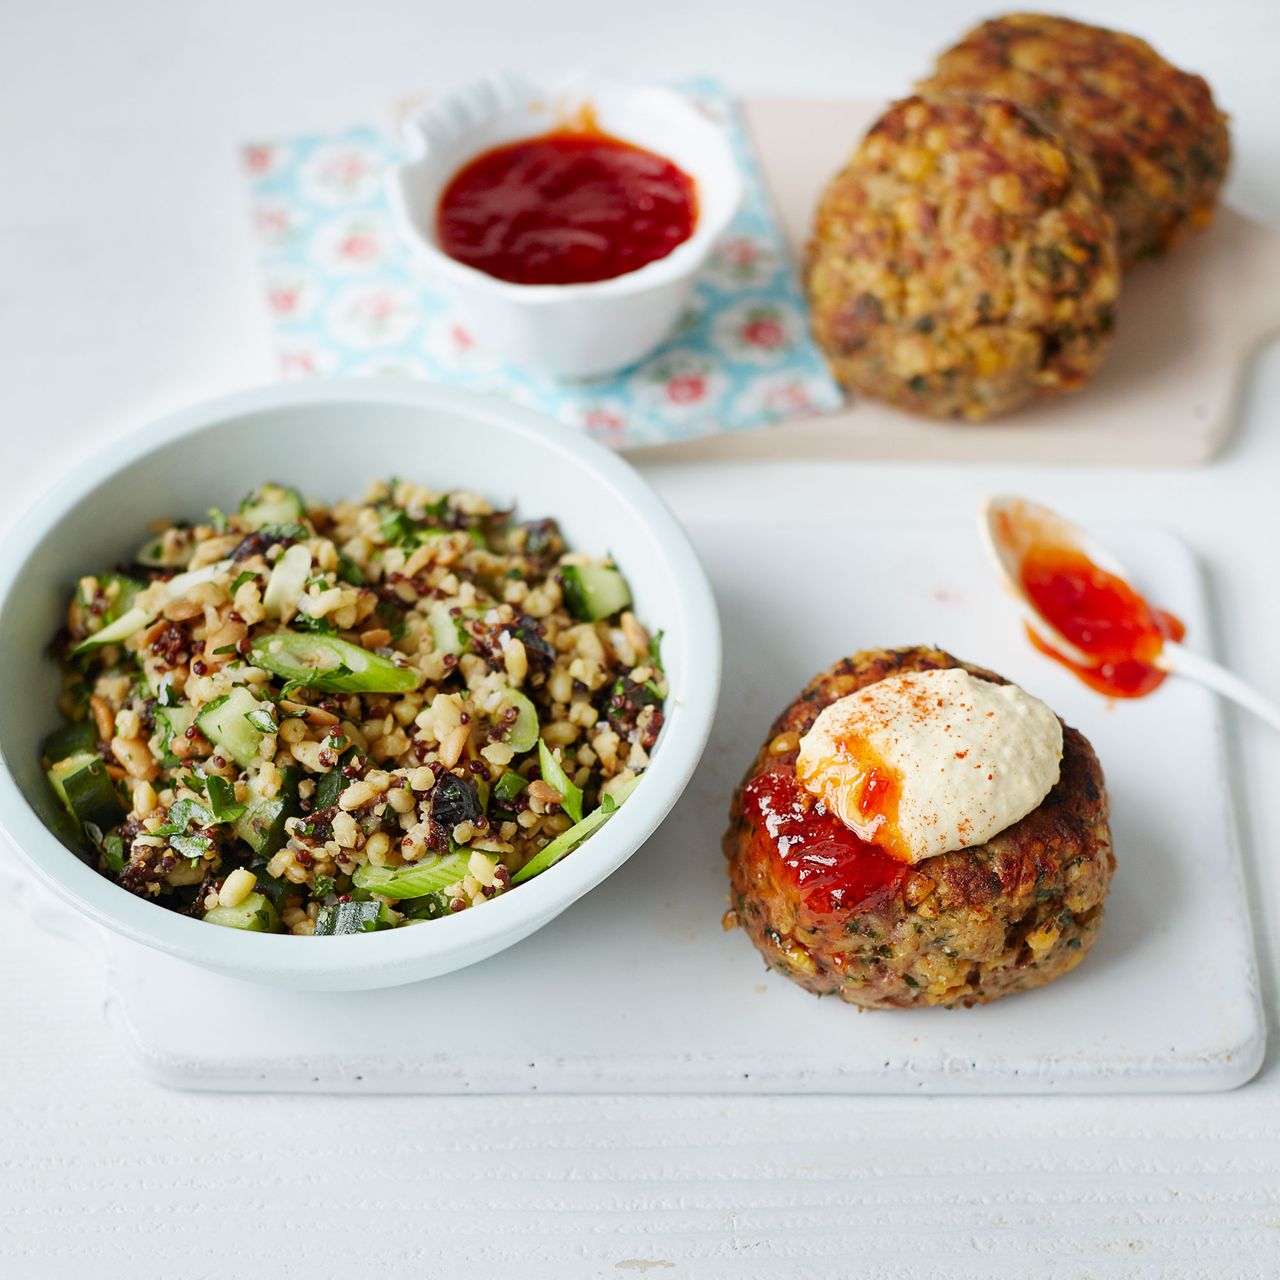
[129, 288]
[657, 997]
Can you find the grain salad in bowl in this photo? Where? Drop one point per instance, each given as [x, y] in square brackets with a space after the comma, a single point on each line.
[340, 718]
[332, 438]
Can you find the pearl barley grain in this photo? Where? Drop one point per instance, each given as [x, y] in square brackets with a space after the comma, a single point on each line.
[236, 887]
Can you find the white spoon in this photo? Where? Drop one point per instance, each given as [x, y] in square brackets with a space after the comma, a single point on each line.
[1010, 527]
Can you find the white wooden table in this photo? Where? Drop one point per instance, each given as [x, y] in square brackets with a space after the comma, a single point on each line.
[126, 287]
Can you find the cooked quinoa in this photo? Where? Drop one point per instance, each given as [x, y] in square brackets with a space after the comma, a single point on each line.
[1160, 143]
[331, 719]
[962, 262]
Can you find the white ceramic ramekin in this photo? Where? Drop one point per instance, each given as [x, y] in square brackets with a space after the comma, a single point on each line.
[330, 439]
[573, 330]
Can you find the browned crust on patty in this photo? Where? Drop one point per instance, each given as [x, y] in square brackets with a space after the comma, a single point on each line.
[964, 927]
[1160, 144]
[962, 263]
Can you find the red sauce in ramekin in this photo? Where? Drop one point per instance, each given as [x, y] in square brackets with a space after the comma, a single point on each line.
[572, 206]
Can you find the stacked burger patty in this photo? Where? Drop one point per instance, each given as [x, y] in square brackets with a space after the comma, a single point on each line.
[1159, 143]
[968, 258]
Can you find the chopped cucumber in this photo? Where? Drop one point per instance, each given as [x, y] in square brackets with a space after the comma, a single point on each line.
[287, 582]
[64, 768]
[330, 665]
[522, 734]
[256, 914]
[177, 719]
[121, 629]
[414, 881]
[86, 789]
[173, 723]
[261, 825]
[569, 840]
[70, 740]
[554, 776]
[272, 504]
[448, 634]
[593, 592]
[351, 917]
[225, 722]
[153, 555]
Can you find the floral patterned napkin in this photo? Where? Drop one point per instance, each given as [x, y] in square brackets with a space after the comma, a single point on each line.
[346, 297]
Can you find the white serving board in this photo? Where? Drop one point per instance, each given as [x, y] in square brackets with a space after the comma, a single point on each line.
[637, 987]
[1187, 327]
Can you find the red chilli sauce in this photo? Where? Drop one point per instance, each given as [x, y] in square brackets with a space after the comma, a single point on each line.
[572, 206]
[833, 869]
[1102, 616]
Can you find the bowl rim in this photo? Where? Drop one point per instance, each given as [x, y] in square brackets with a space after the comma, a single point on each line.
[377, 957]
[506, 93]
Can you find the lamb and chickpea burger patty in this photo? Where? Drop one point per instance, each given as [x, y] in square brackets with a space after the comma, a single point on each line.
[1158, 140]
[962, 263]
[843, 917]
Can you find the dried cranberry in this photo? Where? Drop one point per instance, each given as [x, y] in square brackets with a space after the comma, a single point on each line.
[536, 646]
[625, 702]
[261, 541]
[454, 800]
[542, 543]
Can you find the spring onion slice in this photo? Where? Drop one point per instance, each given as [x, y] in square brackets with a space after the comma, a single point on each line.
[329, 664]
[554, 776]
[569, 840]
[412, 881]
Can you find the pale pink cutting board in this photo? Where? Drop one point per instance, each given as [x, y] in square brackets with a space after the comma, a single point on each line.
[1188, 325]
